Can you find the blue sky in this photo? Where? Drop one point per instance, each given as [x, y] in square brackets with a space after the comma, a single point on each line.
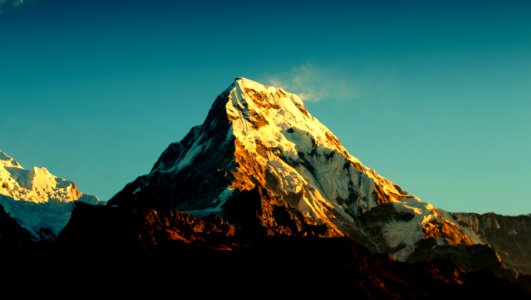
[435, 95]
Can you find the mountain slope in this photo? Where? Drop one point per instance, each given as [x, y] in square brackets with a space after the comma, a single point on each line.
[510, 236]
[165, 250]
[40, 202]
[262, 161]
[10, 230]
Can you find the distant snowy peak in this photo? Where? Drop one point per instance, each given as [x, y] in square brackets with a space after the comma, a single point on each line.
[259, 142]
[36, 185]
[8, 161]
[40, 201]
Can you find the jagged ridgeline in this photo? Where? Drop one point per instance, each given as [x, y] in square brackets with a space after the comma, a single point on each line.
[35, 202]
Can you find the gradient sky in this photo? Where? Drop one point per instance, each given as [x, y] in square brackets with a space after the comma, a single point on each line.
[434, 95]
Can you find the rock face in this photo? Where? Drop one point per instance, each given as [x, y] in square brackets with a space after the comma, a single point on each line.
[261, 161]
[163, 249]
[510, 236]
[37, 200]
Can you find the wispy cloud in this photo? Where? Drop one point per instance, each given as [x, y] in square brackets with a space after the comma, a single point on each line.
[11, 3]
[315, 84]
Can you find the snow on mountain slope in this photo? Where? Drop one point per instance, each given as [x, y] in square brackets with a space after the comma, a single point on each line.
[41, 202]
[260, 149]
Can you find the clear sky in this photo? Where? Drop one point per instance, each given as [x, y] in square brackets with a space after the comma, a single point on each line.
[434, 95]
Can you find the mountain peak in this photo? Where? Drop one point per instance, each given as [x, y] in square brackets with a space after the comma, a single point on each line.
[8, 161]
[249, 83]
[36, 198]
[244, 81]
[275, 118]
[260, 155]
[269, 93]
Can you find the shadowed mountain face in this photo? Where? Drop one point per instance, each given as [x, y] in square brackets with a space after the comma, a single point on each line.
[10, 230]
[165, 249]
[510, 236]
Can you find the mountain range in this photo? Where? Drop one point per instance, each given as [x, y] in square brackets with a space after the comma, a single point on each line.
[262, 186]
[34, 201]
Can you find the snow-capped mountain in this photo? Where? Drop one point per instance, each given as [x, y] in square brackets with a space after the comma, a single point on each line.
[37, 200]
[266, 196]
[260, 159]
